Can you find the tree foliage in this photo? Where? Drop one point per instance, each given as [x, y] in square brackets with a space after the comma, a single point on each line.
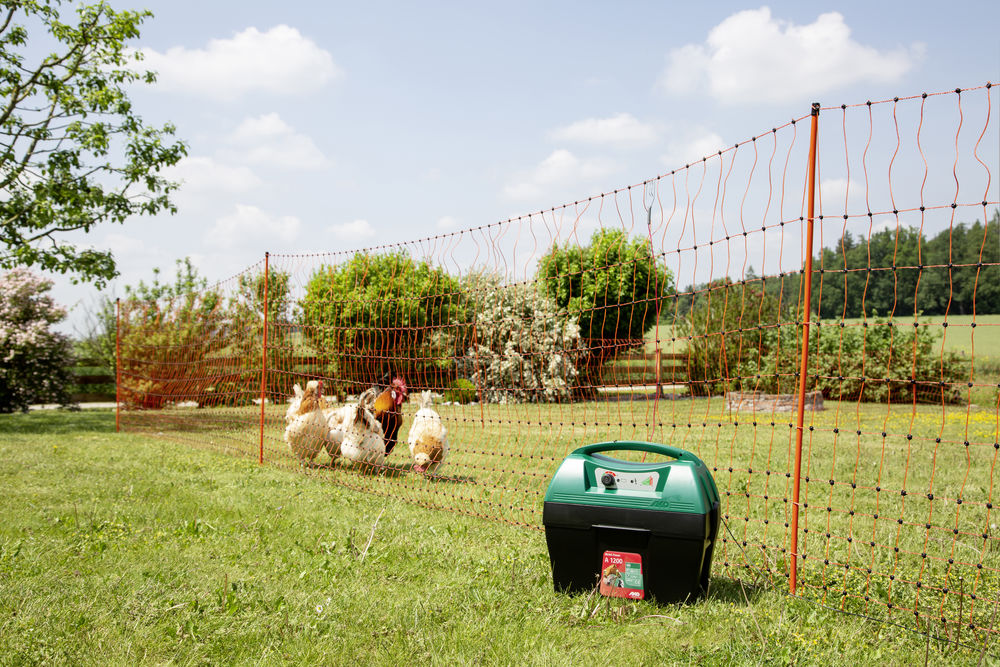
[901, 272]
[380, 312]
[98, 339]
[255, 295]
[898, 272]
[73, 151]
[174, 339]
[612, 287]
[34, 360]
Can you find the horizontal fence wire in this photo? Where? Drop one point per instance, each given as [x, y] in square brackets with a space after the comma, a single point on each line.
[669, 311]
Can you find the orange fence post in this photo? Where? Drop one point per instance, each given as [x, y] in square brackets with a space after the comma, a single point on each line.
[804, 352]
[118, 366]
[263, 367]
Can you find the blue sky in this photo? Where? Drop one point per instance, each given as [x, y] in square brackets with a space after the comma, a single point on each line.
[334, 126]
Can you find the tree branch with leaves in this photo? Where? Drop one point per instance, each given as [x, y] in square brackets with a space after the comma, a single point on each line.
[73, 152]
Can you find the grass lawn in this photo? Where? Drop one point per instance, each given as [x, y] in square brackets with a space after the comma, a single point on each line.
[132, 549]
[962, 338]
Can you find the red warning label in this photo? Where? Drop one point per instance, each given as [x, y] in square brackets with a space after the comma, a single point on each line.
[621, 575]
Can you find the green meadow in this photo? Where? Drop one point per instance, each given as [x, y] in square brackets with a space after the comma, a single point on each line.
[135, 548]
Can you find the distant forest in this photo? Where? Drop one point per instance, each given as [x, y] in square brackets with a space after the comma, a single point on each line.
[889, 272]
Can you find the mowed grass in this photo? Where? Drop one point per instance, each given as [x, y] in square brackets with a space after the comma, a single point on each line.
[133, 549]
[896, 521]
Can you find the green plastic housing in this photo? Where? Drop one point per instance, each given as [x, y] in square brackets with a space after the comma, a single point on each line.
[683, 484]
[666, 512]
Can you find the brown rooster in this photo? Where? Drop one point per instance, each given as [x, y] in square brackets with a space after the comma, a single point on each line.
[387, 410]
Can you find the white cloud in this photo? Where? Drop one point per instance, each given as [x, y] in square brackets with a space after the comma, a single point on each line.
[278, 61]
[697, 144]
[834, 191]
[204, 174]
[447, 222]
[266, 126]
[249, 225]
[620, 129]
[752, 57]
[557, 170]
[356, 230]
[269, 140]
[124, 246]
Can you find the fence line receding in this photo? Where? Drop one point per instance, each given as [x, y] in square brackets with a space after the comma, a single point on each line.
[673, 310]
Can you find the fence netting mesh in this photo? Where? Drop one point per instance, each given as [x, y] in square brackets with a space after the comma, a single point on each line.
[669, 311]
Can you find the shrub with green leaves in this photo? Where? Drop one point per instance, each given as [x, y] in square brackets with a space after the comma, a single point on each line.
[726, 330]
[525, 349]
[255, 295]
[34, 360]
[175, 339]
[876, 360]
[380, 312]
[739, 337]
[461, 391]
[612, 286]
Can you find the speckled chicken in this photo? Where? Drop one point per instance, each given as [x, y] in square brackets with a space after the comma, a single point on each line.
[362, 435]
[428, 437]
[306, 430]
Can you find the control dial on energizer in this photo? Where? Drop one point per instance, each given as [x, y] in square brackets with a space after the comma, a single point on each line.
[608, 480]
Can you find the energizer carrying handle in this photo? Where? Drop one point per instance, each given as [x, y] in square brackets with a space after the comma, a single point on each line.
[638, 446]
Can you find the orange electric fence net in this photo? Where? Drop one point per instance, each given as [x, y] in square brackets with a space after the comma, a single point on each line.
[671, 311]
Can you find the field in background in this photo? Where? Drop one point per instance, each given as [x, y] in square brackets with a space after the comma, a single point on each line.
[129, 549]
[959, 338]
[960, 334]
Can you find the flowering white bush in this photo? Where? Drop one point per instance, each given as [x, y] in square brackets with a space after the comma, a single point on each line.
[34, 361]
[525, 350]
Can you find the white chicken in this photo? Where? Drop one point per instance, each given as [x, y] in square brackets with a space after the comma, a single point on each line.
[296, 401]
[360, 434]
[337, 420]
[306, 430]
[428, 437]
[293, 404]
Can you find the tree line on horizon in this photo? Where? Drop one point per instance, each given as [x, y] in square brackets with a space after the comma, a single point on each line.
[894, 272]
